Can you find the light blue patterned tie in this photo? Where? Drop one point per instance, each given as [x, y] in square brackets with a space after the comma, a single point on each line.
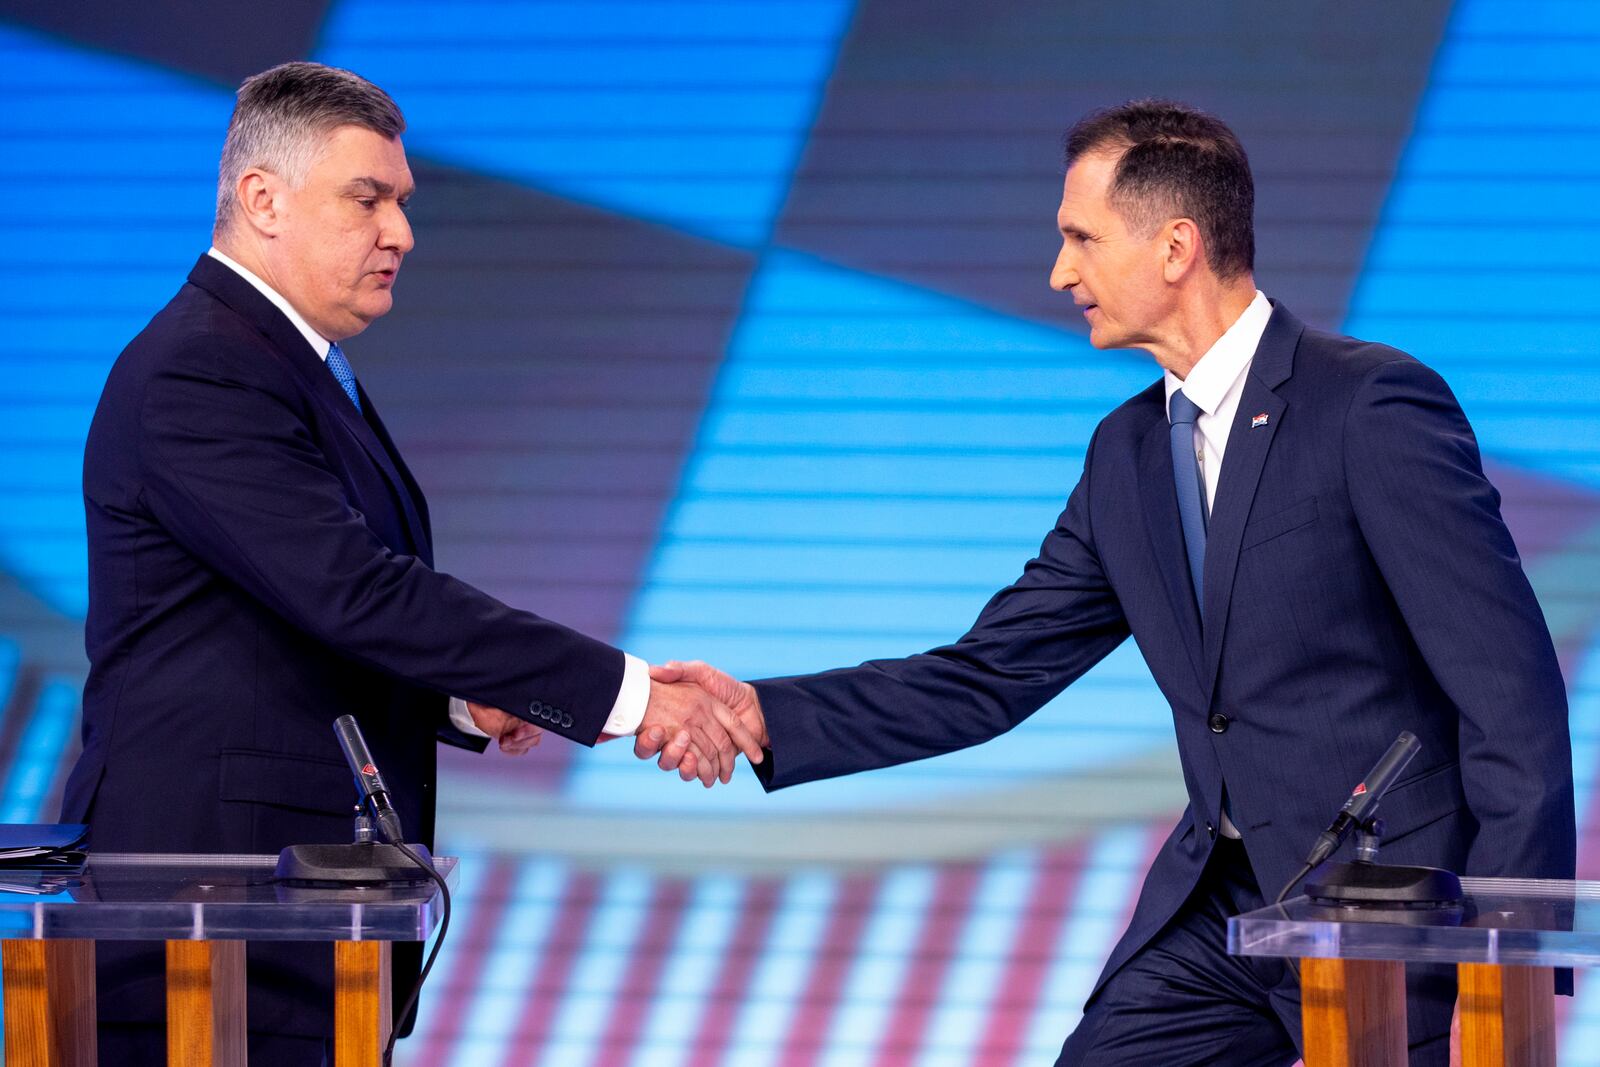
[341, 370]
[1191, 486]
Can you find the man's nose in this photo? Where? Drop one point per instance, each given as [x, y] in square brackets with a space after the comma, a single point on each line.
[397, 232]
[1063, 275]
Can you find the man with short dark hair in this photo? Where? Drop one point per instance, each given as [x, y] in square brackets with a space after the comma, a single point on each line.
[1295, 528]
[260, 562]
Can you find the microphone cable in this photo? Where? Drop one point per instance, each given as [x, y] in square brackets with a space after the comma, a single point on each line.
[444, 928]
[1305, 869]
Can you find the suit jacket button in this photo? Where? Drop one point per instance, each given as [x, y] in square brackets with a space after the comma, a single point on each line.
[1219, 723]
[566, 721]
[1211, 831]
[535, 706]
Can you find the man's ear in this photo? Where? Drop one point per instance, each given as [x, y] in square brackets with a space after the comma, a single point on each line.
[261, 200]
[1183, 248]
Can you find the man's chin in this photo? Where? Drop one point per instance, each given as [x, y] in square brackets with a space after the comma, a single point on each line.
[372, 308]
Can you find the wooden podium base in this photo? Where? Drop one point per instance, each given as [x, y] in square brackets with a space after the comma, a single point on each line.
[1354, 1013]
[49, 998]
[50, 1003]
[362, 1013]
[1508, 1016]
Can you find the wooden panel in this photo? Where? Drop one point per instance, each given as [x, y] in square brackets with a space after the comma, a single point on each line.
[49, 1003]
[1354, 1012]
[362, 1013]
[1507, 1016]
[205, 1004]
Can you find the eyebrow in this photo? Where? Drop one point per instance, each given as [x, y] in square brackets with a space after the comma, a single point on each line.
[372, 185]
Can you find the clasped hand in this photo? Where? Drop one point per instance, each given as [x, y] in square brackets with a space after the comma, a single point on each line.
[697, 721]
[738, 700]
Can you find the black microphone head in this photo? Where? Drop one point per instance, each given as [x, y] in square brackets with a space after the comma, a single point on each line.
[1370, 790]
[356, 753]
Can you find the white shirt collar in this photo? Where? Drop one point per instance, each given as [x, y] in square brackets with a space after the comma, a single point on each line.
[319, 344]
[1215, 372]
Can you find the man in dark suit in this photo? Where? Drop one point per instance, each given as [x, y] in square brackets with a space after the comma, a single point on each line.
[1296, 530]
[260, 562]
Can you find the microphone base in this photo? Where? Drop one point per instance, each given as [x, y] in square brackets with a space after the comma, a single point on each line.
[363, 863]
[1380, 886]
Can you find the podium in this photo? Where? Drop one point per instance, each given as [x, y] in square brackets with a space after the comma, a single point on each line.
[1506, 941]
[205, 907]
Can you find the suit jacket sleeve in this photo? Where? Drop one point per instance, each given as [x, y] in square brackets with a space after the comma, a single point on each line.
[1432, 522]
[1034, 637]
[230, 469]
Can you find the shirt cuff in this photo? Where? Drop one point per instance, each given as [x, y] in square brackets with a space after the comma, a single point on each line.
[461, 718]
[628, 712]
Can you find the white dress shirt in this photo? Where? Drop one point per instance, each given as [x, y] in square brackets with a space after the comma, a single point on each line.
[1215, 384]
[627, 711]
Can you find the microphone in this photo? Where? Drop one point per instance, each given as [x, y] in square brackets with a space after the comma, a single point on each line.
[1365, 797]
[369, 782]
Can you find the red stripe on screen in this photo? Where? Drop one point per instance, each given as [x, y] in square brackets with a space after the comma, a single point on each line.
[642, 979]
[711, 1038]
[451, 999]
[1029, 958]
[841, 941]
[547, 990]
[941, 927]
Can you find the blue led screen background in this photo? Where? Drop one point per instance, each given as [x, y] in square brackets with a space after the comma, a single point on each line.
[727, 336]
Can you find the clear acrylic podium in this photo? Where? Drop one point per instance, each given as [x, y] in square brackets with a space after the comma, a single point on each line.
[1507, 942]
[205, 908]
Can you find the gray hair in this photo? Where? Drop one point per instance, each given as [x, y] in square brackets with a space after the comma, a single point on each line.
[281, 122]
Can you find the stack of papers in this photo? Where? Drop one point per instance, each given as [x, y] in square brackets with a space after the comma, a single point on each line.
[41, 844]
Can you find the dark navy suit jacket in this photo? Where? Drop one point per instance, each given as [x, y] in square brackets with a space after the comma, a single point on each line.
[1359, 581]
[260, 563]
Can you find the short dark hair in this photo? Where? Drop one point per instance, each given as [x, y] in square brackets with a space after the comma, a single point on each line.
[1176, 161]
[283, 115]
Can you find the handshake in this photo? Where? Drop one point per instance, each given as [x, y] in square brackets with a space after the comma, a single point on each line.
[697, 722]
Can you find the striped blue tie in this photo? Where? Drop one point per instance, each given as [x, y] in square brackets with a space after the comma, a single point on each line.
[341, 370]
[1191, 486]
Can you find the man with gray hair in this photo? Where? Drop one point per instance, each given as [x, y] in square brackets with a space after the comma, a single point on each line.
[261, 562]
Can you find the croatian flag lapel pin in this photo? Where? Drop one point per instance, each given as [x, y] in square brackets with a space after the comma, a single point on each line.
[1259, 420]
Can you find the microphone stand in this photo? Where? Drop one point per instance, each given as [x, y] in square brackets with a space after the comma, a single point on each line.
[1366, 883]
[362, 862]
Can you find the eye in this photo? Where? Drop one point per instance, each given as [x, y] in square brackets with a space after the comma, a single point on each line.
[367, 202]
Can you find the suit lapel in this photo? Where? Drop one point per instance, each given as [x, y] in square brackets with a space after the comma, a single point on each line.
[227, 286]
[332, 395]
[1160, 497]
[1248, 444]
[416, 504]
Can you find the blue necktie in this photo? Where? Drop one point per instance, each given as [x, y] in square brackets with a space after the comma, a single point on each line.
[1191, 486]
[341, 370]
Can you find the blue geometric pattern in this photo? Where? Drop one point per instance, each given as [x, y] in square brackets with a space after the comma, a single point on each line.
[80, 276]
[1482, 265]
[683, 112]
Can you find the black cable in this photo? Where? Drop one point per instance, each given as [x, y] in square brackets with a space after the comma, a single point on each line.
[444, 927]
[1305, 869]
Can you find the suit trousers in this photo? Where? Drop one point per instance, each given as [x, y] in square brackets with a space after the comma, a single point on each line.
[1183, 1000]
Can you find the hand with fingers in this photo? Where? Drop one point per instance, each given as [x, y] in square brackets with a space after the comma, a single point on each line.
[682, 720]
[515, 736]
[738, 697]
